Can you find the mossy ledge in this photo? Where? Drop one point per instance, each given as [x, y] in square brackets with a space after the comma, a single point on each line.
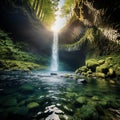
[10, 65]
[12, 57]
[103, 67]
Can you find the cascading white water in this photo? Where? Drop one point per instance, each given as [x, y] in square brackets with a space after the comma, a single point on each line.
[54, 62]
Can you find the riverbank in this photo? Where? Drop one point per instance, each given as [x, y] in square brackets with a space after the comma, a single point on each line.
[103, 67]
[14, 65]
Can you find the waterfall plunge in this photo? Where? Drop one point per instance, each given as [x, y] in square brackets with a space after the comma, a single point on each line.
[54, 62]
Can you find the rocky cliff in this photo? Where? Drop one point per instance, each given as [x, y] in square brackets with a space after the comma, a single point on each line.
[18, 19]
[94, 30]
[25, 43]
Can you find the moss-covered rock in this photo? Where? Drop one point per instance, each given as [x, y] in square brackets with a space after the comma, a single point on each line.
[117, 70]
[89, 72]
[71, 94]
[111, 72]
[103, 68]
[32, 105]
[81, 69]
[88, 112]
[12, 57]
[99, 74]
[81, 100]
[92, 64]
[107, 66]
[101, 62]
[26, 88]
[95, 98]
[19, 65]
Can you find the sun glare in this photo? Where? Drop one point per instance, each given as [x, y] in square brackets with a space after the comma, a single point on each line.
[55, 28]
[60, 22]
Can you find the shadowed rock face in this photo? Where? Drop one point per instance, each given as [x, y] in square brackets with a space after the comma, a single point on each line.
[72, 32]
[101, 19]
[19, 21]
[96, 12]
[89, 13]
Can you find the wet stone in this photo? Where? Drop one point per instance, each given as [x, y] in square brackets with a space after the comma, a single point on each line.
[32, 105]
[81, 81]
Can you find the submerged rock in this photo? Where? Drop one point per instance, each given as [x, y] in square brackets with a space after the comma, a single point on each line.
[9, 102]
[26, 88]
[53, 116]
[81, 100]
[32, 105]
[88, 112]
[82, 69]
[53, 74]
[18, 110]
[92, 64]
[81, 81]
[99, 74]
[54, 109]
[95, 98]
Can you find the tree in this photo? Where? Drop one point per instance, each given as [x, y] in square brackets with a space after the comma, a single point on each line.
[67, 9]
[45, 10]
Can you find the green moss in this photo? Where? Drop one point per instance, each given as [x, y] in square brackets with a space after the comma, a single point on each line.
[99, 74]
[88, 112]
[71, 94]
[13, 58]
[81, 69]
[19, 65]
[106, 66]
[95, 98]
[81, 100]
[26, 88]
[92, 64]
[32, 105]
[101, 62]
[103, 68]
[90, 36]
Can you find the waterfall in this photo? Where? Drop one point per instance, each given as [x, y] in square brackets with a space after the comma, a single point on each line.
[54, 62]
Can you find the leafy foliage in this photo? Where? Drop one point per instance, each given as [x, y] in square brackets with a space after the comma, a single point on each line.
[10, 51]
[45, 10]
[67, 9]
[89, 36]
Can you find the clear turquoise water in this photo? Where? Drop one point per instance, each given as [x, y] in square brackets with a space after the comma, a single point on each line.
[24, 96]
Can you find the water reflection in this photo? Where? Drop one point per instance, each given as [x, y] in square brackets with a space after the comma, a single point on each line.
[26, 96]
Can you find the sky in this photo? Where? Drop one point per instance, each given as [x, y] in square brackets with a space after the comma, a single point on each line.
[60, 21]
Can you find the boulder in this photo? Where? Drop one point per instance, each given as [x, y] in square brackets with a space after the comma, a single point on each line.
[101, 62]
[102, 68]
[32, 105]
[53, 116]
[26, 88]
[81, 100]
[92, 64]
[81, 69]
[81, 81]
[95, 98]
[89, 112]
[99, 74]
[111, 72]
[53, 73]
[70, 94]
